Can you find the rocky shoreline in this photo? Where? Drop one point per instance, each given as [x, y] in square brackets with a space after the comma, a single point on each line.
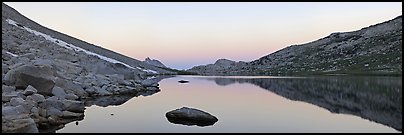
[49, 106]
[48, 78]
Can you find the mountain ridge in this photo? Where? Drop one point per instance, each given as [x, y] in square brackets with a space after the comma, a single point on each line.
[375, 49]
[8, 11]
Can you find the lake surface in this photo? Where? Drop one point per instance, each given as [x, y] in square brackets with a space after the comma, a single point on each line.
[258, 104]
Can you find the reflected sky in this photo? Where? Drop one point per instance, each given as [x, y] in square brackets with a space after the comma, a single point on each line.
[240, 107]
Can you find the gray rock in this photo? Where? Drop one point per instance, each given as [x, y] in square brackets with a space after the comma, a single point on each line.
[102, 92]
[73, 106]
[17, 101]
[44, 62]
[4, 68]
[71, 96]
[75, 87]
[14, 60]
[149, 83]
[7, 89]
[39, 76]
[23, 59]
[38, 98]
[51, 111]
[52, 102]
[13, 110]
[30, 90]
[30, 56]
[90, 90]
[6, 97]
[58, 92]
[68, 114]
[42, 112]
[101, 80]
[16, 65]
[21, 94]
[35, 111]
[68, 69]
[130, 88]
[191, 116]
[117, 78]
[127, 83]
[18, 124]
[105, 87]
[152, 88]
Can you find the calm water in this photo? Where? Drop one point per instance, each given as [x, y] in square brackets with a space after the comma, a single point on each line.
[258, 104]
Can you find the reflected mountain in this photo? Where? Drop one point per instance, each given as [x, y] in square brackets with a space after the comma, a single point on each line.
[377, 99]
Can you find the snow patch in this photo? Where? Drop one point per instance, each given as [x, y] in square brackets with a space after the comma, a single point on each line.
[12, 54]
[151, 77]
[72, 47]
[147, 70]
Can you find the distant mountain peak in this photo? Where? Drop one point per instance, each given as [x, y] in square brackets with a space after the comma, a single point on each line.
[223, 61]
[154, 62]
[147, 59]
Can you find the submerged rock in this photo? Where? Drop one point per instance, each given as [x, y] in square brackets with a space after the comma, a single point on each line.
[191, 116]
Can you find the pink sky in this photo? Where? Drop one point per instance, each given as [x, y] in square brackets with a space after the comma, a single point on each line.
[183, 35]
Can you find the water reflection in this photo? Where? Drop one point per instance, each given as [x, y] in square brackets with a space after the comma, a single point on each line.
[116, 100]
[377, 99]
[104, 101]
[190, 122]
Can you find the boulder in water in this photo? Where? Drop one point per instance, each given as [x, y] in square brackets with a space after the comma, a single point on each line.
[191, 116]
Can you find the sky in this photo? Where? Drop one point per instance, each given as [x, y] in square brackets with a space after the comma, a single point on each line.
[186, 34]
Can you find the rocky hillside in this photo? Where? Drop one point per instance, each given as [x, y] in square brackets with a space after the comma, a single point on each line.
[221, 66]
[376, 49]
[49, 77]
[154, 62]
[10, 13]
